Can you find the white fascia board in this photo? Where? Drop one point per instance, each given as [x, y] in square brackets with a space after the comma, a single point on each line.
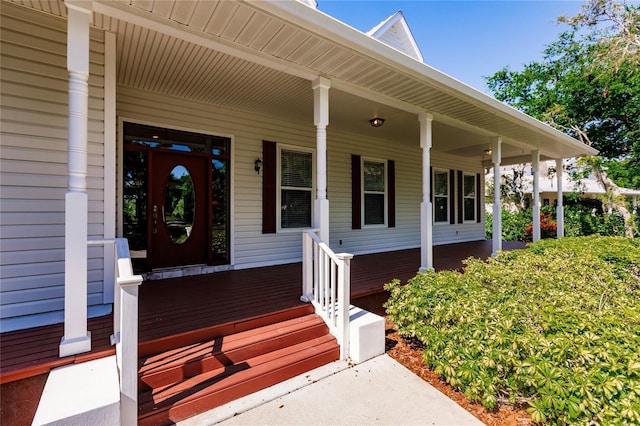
[341, 33]
[146, 19]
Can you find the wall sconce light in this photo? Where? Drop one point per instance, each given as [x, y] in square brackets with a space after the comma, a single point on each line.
[376, 122]
[257, 165]
[488, 151]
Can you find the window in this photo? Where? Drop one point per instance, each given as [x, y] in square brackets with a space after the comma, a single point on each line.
[374, 192]
[440, 196]
[469, 197]
[296, 188]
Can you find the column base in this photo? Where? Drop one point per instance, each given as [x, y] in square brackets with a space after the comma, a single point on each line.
[75, 346]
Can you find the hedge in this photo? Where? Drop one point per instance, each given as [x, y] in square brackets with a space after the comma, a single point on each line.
[554, 328]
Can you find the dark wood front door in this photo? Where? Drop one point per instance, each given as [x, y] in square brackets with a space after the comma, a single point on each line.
[179, 224]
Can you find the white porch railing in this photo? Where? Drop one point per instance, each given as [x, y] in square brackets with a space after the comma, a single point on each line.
[125, 328]
[326, 282]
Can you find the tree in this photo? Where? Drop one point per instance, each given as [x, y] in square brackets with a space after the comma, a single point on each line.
[588, 86]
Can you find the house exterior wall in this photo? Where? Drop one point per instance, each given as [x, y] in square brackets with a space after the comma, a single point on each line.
[33, 171]
[252, 248]
[247, 131]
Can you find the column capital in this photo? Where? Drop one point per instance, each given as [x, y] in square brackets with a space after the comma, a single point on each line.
[496, 150]
[425, 120]
[321, 87]
[425, 116]
[535, 160]
[321, 82]
[84, 6]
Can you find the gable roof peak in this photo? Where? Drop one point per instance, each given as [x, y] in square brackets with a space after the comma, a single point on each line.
[395, 32]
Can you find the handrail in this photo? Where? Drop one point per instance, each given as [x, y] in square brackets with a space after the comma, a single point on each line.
[326, 283]
[125, 327]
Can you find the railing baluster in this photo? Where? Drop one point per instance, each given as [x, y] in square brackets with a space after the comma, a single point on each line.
[327, 276]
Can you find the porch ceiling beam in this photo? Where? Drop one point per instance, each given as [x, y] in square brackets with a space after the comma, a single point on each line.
[510, 161]
[153, 22]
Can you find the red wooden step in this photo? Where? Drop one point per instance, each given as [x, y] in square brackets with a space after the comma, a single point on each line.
[162, 344]
[187, 361]
[205, 391]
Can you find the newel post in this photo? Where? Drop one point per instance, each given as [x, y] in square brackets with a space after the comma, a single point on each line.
[344, 299]
[127, 338]
[307, 268]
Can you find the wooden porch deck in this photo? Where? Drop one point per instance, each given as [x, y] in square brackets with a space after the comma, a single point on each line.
[174, 306]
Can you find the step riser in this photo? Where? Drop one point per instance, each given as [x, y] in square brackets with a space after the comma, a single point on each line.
[178, 412]
[236, 373]
[188, 374]
[160, 345]
[211, 361]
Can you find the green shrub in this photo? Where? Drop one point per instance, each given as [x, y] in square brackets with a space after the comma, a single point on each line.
[514, 225]
[555, 328]
[581, 218]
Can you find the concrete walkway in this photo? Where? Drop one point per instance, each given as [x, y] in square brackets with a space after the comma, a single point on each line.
[379, 391]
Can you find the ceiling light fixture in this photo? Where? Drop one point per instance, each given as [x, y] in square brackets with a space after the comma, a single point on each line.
[488, 151]
[376, 122]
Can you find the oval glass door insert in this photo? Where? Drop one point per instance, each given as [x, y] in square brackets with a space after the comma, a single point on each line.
[179, 204]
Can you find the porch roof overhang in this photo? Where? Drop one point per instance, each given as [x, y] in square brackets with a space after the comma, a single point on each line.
[264, 54]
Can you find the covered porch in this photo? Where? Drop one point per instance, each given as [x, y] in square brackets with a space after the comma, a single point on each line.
[172, 306]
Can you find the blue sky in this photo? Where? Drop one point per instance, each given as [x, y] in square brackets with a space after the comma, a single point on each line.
[466, 39]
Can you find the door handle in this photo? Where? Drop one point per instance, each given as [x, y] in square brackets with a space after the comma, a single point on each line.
[155, 219]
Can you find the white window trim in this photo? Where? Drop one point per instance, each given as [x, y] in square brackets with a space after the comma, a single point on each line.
[362, 193]
[475, 198]
[433, 201]
[279, 148]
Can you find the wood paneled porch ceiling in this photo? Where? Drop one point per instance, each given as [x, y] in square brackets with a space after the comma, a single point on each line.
[260, 57]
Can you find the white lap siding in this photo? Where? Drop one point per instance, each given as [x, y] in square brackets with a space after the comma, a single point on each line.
[459, 232]
[33, 168]
[250, 247]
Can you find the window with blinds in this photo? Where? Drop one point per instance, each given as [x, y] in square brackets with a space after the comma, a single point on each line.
[296, 188]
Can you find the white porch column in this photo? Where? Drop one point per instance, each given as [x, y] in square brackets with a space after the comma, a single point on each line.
[77, 338]
[560, 203]
[496, 158]
[535, 165]
[426, 210]
[321, 87]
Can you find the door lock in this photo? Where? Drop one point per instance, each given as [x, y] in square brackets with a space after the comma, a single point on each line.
[155, 219]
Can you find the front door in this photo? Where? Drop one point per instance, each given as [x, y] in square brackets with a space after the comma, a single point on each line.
[179, 225]
[175, 197]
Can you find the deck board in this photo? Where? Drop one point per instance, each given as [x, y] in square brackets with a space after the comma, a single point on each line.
[178, 305]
